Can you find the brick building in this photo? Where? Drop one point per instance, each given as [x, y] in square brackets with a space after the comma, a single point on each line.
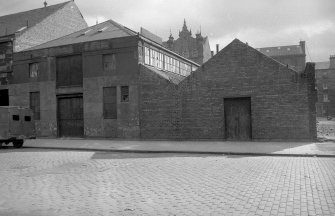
[196, 49]
[26, 29]
[88, 83]
[239, 94]
[325, 83]
[109, 81]
[292, 55]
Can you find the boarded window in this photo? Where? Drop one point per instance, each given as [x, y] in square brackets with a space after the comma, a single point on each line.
[35, 104]
[124, 93]
[69, 71]
[33, 70]
[109, 103]
[109, 62]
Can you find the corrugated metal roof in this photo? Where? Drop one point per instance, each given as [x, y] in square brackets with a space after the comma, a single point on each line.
[9, 24]
[105, 30]
[322, 65]
[282, 50]
[172, 77]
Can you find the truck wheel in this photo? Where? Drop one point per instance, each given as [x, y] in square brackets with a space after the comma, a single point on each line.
[18, 143]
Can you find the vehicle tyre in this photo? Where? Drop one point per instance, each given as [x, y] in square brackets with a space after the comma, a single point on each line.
[18, 143]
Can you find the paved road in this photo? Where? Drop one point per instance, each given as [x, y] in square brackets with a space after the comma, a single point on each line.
[39, 182]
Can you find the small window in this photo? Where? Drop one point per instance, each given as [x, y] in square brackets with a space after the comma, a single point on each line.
[16, 117]
[33, 70]
[27, 118]
[124, 93]
[325, 98]
[109, 62]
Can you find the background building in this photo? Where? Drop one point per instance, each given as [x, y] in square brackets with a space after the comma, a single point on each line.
[26, 29]
[293, 55]
[325, 80]
[196, 49]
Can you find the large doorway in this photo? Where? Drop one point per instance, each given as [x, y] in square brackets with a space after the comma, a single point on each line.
[70, 116]
[237, 113]
[4, 98]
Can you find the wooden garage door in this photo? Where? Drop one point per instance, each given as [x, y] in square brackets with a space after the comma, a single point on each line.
[237, 113]
[70, 117]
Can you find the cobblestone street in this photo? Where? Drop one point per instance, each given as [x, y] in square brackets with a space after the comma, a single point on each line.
[40, 182]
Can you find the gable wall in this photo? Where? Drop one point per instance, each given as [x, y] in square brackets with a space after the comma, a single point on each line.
[63, 22]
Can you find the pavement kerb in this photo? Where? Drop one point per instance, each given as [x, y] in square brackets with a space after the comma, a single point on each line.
[183, 152]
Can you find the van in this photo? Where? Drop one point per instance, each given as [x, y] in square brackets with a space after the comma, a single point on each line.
[16, 125]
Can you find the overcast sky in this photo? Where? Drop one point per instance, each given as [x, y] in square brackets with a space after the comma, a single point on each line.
[261, 23]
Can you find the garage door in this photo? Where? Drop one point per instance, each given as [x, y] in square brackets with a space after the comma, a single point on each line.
[70, 116]
[237, 113]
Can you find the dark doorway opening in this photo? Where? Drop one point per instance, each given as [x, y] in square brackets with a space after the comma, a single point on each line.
[4, 98]
[237, 113]
[70, 116]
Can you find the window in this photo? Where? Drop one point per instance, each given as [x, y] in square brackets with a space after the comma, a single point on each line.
[124, 93]
[16, 117]
[109, 62]
[109, 103]
[27, 118]
[35, 104]
[147, 55]
[33, 70]
[152, 57]
[325, 98]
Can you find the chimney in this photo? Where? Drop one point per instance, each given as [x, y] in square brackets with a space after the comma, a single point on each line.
[217, 48]
[45, 3]
[332, 61]
[302, 45]
[212, 53]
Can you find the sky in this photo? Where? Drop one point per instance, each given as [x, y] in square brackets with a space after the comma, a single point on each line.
[261, 23]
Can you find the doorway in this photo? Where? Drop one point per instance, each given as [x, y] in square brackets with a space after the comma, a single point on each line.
[237, 114]
[70, 116]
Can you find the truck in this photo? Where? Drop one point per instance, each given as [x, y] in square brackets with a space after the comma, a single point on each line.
[16, 125]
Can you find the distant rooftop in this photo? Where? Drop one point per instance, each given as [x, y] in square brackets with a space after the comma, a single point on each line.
[17, 22]
[322, 65]
[282, 50]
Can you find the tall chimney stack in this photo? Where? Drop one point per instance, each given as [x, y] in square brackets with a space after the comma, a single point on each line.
[217, 48]
[302, 45]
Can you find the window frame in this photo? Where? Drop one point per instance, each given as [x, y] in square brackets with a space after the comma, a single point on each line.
[122, 91]
[37, 72]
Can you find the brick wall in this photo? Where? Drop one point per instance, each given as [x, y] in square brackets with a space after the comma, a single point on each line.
[159, 107]
[281, 99]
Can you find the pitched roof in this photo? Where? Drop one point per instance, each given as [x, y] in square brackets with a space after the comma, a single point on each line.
[105, 30]
[282, 50]
[170, 76]
[9, 24]
[322, 65]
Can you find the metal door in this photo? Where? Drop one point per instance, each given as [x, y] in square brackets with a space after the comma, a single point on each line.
[70, 116]
[237, 113]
